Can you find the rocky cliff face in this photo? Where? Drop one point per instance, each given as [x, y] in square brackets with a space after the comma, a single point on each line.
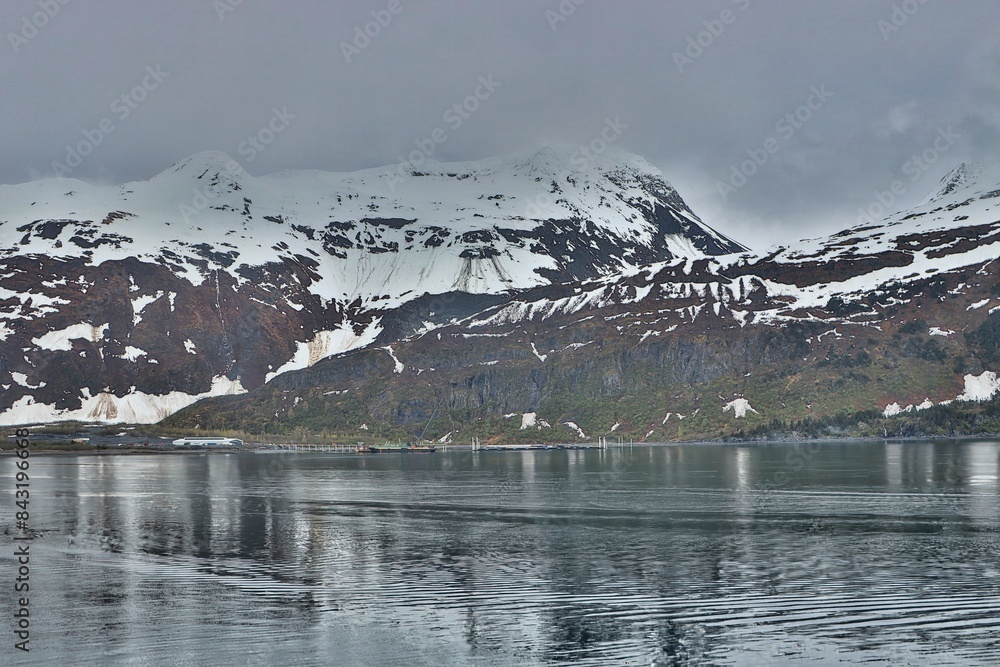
[127, 303]
[877, 319]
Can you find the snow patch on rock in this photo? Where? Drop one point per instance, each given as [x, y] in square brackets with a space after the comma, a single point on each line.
[893, 409]
[22, 379]
[325, 344]
[531, 420]
[133, 408]
[980, 387]
[896, 409]
[740, 408]
[399, 367]
[139, 303]
[133, 353]
[61, 339]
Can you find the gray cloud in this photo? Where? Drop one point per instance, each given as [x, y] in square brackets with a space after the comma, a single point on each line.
[229, 65]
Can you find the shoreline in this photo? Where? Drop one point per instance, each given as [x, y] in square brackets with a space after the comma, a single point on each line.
[265, 448]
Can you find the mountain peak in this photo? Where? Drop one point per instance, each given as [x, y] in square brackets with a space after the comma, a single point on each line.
[206, 162]
[558, 159]
[211, 171]
[964, 175]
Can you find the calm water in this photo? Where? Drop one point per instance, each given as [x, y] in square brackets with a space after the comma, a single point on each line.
[874, 553]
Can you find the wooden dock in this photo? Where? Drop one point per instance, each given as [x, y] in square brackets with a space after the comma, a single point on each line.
[332, 448]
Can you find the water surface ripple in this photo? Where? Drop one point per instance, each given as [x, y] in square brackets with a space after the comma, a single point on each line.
[845, 553]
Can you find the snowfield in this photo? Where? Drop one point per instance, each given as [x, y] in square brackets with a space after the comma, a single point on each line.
[135, 408]
[359, 245]
[978, 388]
[450, 226]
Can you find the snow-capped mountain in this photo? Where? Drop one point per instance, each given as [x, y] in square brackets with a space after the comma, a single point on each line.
[125, 303]
[962, 176]
[900, 314]
[958, 227]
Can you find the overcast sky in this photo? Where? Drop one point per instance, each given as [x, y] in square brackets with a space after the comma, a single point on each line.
[198, 75]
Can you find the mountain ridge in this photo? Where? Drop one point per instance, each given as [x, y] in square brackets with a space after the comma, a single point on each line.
[210, 279]
[877, 319]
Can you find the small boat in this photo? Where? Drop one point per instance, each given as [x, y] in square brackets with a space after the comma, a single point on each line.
[364, 449]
